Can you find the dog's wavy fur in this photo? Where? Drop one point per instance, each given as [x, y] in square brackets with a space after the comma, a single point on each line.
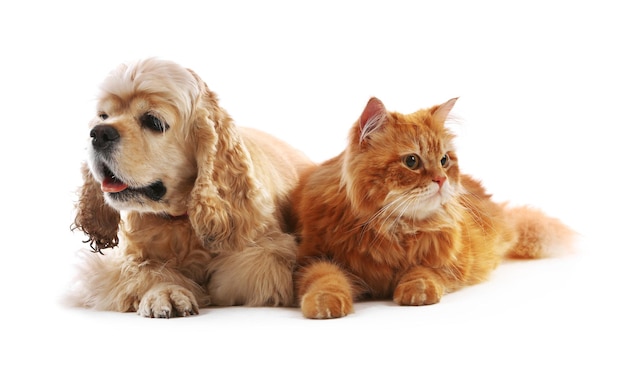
[221, 232]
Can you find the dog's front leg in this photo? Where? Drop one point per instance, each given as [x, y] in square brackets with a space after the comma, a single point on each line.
[257, 275]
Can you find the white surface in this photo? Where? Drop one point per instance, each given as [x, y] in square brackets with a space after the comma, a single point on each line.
[541, 88]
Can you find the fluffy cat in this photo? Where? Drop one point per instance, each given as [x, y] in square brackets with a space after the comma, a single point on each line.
[392, 216]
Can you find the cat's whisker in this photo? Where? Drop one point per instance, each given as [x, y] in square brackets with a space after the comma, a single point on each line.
[476, 213]
[397, 208]
[386, 209]
[400, 206]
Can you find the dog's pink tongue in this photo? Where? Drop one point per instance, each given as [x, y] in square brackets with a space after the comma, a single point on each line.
[111, 185]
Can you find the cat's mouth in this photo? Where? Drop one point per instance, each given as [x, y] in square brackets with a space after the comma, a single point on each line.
[418, 203]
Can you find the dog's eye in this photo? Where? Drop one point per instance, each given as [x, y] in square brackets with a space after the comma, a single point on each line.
[153, 123]
[103, 116]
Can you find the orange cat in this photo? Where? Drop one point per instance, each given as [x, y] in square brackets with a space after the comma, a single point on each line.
[393, 217]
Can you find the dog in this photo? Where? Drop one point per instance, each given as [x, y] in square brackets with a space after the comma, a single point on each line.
[186, 209]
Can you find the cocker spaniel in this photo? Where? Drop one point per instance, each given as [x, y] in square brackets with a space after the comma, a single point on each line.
[198, 206]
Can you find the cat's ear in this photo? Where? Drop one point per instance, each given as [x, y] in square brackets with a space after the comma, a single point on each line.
[440, 113]
[372, 118]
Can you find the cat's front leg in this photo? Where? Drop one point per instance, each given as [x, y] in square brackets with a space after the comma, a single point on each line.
[324, 291]
[419, 286]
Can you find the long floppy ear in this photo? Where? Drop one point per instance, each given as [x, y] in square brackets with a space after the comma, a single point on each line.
[227, 206]
[94, 216]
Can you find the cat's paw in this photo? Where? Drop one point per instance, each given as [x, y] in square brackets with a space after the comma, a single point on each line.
[417, 292]
[166, 301]
[326, 305]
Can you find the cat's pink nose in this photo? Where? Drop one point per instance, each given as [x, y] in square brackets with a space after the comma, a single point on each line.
[439, 180]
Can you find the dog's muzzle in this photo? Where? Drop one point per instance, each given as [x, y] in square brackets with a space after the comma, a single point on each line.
[104, 139]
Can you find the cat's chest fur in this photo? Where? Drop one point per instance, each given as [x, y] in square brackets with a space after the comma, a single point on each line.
[385, 253]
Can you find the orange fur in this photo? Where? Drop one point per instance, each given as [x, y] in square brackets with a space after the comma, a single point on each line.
[393, 217]
[200, 205]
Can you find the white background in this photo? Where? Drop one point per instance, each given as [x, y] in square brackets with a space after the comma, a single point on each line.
[541, 122]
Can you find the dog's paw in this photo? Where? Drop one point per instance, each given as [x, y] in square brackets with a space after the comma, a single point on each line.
[167, 301]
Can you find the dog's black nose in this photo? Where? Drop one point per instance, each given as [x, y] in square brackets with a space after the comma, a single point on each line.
[103, 136]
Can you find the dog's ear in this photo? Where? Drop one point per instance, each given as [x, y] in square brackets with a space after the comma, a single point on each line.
[94, 216]
[227, 207]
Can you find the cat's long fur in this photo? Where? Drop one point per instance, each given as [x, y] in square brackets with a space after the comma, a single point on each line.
[393, 217]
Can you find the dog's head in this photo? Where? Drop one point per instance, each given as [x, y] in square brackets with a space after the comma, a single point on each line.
[139, 150]
[154, 137]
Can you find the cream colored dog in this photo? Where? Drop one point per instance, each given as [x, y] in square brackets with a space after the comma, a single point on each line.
[201, 206]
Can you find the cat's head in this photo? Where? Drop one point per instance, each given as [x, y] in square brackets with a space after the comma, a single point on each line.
[403, 163]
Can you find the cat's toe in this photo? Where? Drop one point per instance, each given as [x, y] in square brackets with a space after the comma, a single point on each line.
[325, 305]
[418, 292]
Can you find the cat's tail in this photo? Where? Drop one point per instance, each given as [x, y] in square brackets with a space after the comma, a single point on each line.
[538, 235]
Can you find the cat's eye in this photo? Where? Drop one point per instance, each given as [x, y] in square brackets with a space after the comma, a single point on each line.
[153, 123]
[412, 161]
[103, 116]
[444, 160]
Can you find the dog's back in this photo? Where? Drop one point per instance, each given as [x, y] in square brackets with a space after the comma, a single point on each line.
[278, 165]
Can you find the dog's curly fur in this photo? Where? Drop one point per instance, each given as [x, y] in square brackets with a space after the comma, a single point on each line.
[201, 206]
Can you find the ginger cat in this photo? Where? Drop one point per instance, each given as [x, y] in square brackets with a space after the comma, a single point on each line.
[393, 217]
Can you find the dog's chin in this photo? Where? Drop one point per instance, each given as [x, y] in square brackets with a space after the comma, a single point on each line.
[124, 196]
